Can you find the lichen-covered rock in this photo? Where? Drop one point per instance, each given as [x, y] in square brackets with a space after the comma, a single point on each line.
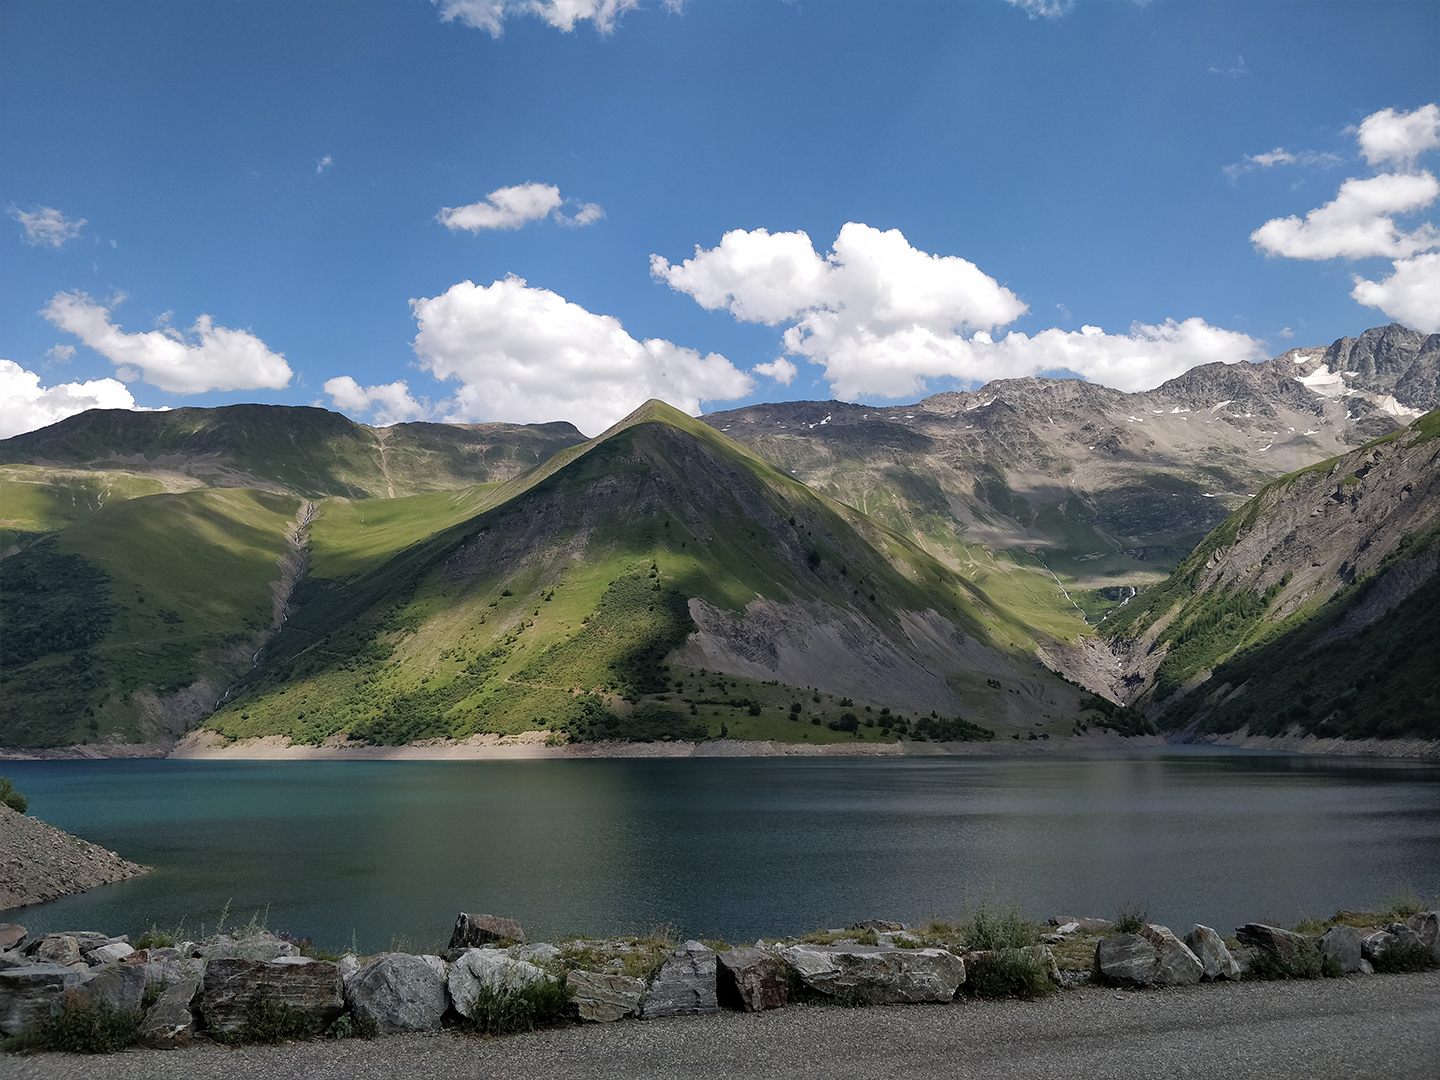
[490, 968]
[750, 979]
[1175, 964]
[473, 931]
[876, 974]
[170, 1023]
[1209, 948]
[542, 952]
[235, 990]
[398, 992]
[1126, 959]
[56, 949]
[684, 984]
[32, 993]
[603, 998]
[1342, 944]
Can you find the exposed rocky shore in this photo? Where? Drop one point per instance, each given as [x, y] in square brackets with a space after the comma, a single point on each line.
[39, 862]
[252, 985]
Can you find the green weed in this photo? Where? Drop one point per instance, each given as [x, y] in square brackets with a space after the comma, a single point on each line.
[80, 1028]
[505, 1010]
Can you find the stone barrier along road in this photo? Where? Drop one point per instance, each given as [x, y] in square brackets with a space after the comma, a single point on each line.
[1380, 1026]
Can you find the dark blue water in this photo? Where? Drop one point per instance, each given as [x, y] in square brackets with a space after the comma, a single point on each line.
[388, 852]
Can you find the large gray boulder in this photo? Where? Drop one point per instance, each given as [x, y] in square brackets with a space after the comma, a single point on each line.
[1175, 964]
[750, 979]
[1285, 945]
[684, 984]
[236, 990]
[110, 953]
[1342, 944]
[603, 998]
[56, 949]
[119, 986]
[254, 945]
[1209, 948]
[170, 1022]
[488, 968]
[32, 994]
[876, 974]
[1126, 959]
[397, 992]
[473, 931]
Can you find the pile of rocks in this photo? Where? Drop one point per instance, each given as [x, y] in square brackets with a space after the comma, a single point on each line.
[223, 986]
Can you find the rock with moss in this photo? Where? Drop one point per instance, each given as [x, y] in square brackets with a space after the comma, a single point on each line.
[119, 987]
[602, 997]
[684, 984]
[472, 931]
[751, 979]
[241, 997]
[490, 969]
[1427, 925]
[31, 994]
[877, 975]
[398, 992]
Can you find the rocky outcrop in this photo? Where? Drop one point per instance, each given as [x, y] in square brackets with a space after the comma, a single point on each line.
[170, 1023]
[684, 984]
[603, 997]
[474, 931]
[751, 979]
[398, 992]
[39, 862]
[876, 974]
[235, 993]
[32, 994]
[1209, 948]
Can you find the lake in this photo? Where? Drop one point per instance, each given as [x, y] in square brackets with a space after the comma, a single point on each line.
[385, 853]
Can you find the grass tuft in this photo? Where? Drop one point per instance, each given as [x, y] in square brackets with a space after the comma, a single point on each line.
[505, 1010]
[80, 1028]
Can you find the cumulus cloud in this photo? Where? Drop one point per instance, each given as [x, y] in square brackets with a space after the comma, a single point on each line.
[882, 318]
[779, 369]
[323, 164]
[390, 403]
[46, 226]
[1357, 223]
[513, 207]
[26, 405]
[210, 357]
[525, 355]
[1411, 294]
[1044, 9]
[490, 15]
[1390, 136]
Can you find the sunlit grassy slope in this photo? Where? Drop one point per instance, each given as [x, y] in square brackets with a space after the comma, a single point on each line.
[556, 604]
[35, 500]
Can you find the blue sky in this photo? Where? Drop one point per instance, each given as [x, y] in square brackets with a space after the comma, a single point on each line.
[262, 189]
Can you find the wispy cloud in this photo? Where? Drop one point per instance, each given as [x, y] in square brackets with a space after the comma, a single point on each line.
[1280, 156]
[1044, 9]
[490, 15]
[46, 226]
[323, 163]
[1228, 69]
[514, 207]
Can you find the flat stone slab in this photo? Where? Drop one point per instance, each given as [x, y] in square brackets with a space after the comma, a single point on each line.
[879, 975]
[235, 989]
[603, 998]
[685, 984]
[32, 994]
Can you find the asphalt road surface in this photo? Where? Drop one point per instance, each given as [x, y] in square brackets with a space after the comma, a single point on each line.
[1384, 1027]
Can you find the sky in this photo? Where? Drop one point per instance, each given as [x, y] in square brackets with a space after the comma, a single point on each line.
[535, 210]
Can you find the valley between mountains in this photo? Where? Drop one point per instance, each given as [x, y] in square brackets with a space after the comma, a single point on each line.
[1248, 548]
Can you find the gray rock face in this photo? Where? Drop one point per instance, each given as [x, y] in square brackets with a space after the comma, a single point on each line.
[1089, 925]
[347, 965]
[260, 945]
[541, 952]
[108, 954]
[684, 984]
[56, 949]
[1126, 959]
[234, 989]
[491, 969]
[876, 974]
[473, 931]
[1427, 925]
[120, 986]
[603, 998]
[1209, 948]
[750, 979]
[12, 936]
[398, 992]
[170, 1023]
[1284, 945]
[1175, 964]
[1373, 945]
[32, 994]
[1342, 944]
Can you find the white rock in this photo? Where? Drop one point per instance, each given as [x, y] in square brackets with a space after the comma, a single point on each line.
[489, 968]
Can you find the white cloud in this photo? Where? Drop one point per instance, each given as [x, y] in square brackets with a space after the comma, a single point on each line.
[1229, 70]
[1410, 295]
[779, 369]
[391, 403]
[1399, 137]
[490, 15]
[513, 207]
[61, 354]
[524, 355]
[26, 405]
[210, 358]
[46, 226]
[1280, 156]
[1357, 223]
[323, 164]
[1285, 333]
[882, 317]
[1044, 9]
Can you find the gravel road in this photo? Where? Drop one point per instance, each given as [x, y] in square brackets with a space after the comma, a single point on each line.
[1384, 1027]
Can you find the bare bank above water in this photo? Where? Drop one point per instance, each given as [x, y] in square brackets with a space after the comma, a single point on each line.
[39, 862]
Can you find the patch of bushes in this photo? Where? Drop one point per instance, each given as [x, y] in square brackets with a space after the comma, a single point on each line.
[504, 1010]
[270, 1021]
[995, 927]
[1118, 718]
[1404, 957]
[1009, 973]
[942, 729]
[12, 798]
[1131, 920]
[80, 1028]
[348, 1026]
[1308, 962]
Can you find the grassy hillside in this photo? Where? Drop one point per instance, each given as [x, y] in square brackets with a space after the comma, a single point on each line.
[557, 605]
[141, 599]
[35, 500]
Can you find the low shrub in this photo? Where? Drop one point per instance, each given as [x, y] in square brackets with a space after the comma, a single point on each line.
[1307, 963]
[994, 927]
[269, 1021]
[1009, 973]
[12, 798]
[1403, 957]
[1132, 919]
[80, 1028]
[504, 1010]
[349, 1026]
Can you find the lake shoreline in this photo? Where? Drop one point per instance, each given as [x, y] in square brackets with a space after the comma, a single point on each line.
[200, 745]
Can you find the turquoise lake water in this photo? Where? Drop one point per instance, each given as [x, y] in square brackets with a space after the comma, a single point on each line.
[386, 853]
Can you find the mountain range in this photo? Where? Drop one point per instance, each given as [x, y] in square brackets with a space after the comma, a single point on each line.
[1029, 559]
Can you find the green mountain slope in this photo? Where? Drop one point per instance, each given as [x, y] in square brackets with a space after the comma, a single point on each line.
[589, 595]
[1313, 608]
